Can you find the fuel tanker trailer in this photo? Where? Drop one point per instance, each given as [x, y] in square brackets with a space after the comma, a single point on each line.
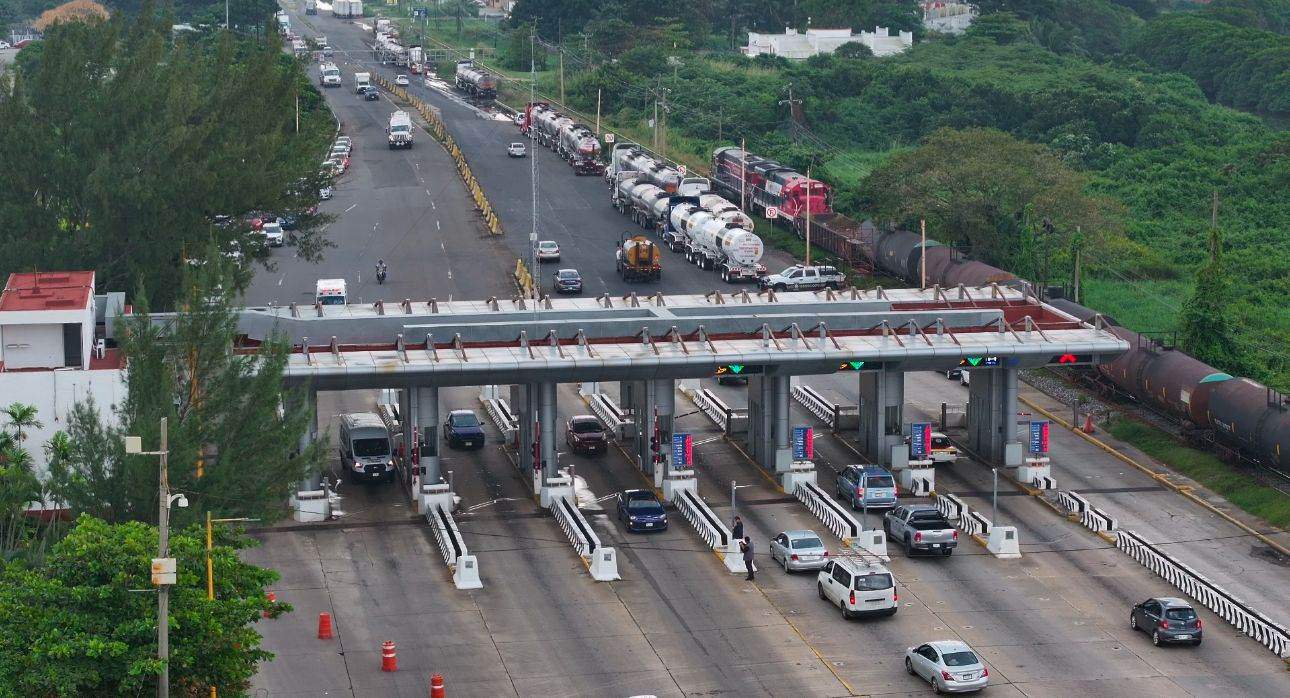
[579, 146]
[712, 243]
[476, 82]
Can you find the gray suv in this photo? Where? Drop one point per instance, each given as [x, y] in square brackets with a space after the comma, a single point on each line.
[1166, 620]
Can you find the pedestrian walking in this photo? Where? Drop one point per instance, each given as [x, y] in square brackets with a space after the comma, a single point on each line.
[747, 548]
[738, 529]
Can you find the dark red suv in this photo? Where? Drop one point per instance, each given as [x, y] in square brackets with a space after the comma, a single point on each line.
[584, 434]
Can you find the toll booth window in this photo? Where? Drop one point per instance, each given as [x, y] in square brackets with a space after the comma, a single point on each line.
[894, 425]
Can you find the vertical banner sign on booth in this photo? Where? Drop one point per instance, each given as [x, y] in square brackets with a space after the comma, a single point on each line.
[1039, 437]
[803, 443]
[920, 439]
[682, 450]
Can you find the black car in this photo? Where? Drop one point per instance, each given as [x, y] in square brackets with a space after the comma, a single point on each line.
[640, 511]
[463, 430]
[370, 93]
[568, 281]
[584, 434]
[1166, 620]
[289, 221]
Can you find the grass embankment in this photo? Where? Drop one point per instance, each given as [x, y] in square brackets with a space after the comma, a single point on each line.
[1236, 487]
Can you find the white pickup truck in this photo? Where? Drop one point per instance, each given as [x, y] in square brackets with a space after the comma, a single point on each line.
[803, 278]
[329, 75]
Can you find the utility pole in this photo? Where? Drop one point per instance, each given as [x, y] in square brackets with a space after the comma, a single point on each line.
[794, 107]
[743, 174]
[808, 215]
[163, 592]
[922, 254]
[597, 112]
[721, 114]
[562, 74]
[1079, 242]
[656, 122]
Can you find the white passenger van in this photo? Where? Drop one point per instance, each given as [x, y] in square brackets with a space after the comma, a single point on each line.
[365, 447]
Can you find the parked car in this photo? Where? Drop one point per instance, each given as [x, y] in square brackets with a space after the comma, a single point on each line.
[920, 527]
[857, 587]
[273, 235]
[325, 193]
[584, 434]
[640, 511]
[463, 430]
[1167, 619]
[401, 80]
[950, 665]
[548, 251]
[328, 52]
[568, 281]
[519, 119]
[4, 45]
[798, 550]
[867, 486]
[516, 150]
[344, 140]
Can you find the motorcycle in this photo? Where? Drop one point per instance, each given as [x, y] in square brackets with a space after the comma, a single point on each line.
[380, 275]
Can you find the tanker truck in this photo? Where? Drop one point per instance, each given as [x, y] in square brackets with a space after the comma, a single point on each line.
[637, 258]
[713, 243]
[578, 145]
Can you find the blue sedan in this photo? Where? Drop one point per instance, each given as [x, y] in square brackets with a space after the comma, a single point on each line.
[463, 430]
[640, 511]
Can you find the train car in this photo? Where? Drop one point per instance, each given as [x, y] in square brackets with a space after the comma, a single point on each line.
[1253, 418]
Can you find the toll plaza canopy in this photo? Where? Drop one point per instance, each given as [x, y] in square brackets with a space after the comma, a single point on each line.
[684, 336]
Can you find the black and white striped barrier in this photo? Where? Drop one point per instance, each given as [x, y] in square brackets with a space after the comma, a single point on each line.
[1231, 609]
[601, 561]
[1073, 503]
[840, 521]
[974, 524]
[615, 418]
[710, 528]
[1044, 482]
[729, 419]
[920, 482]
[951, 507]
[500, 412]
[1098, 521]
[464, 566]
[1001, 541]
[836, 416]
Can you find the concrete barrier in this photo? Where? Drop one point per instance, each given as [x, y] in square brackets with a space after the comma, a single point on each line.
[1003, 542]
[465, 567]
[838, 417]
[950, 506]
[601, 562]
[615, 418]
[731, 420]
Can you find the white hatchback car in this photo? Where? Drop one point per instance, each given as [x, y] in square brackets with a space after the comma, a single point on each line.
[950, 665]
[548, 251]
[401, 80]
[857, 587]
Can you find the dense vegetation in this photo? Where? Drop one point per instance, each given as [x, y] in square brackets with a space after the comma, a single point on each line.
[122, 144]
[241, 13]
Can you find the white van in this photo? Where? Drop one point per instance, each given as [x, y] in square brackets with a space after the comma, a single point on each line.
[365, 447]
[330, 292]
[858, 587]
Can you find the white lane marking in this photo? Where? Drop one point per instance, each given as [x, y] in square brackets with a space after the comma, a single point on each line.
[436, 226]
[445, 249]
[433, 207]
[351, 208]
[450, 275]
[429, 194]
[281, 279]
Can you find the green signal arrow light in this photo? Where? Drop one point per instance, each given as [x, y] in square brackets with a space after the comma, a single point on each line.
[855, 365]
[974, 361]
[736, 368]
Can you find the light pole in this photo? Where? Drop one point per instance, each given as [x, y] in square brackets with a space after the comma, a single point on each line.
[163, 566]
[210, 566]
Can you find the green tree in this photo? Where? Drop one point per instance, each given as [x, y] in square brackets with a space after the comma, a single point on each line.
[1206, 325]
[21, 417]
[853, 49]
[75, 626]
[520, 49]
[228, 415]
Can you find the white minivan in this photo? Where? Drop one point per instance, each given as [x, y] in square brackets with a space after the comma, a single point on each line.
[858, 587]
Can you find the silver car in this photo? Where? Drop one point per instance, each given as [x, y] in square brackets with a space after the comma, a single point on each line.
[798, 550]
[951, 666]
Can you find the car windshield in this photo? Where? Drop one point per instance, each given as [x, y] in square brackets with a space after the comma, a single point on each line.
[940, 442]
[547, 246]
[332, 300]
[644, 506]
[806, 543]
[964, 658]
[366, 448]
[879, 481]
[401, 128]
[585, 427]
[1180, 614]
[568, 274]
[465, 419]
[872, 582]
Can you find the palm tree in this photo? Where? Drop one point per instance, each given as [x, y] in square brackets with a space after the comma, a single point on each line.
[22, 417]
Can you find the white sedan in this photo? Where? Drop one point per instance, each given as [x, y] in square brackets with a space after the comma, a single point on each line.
[4, 45]
[548, 251]
[951, 666]
[401, 80]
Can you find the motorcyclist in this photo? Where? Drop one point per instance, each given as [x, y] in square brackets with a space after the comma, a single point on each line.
[380, 270]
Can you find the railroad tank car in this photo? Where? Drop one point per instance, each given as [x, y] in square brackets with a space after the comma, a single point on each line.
[1082, 313]
[970, 273]
[899, 254]
[475, 81]
[1252, 417]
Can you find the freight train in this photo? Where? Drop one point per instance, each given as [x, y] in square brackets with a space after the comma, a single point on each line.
[572, 141]
[479, 84]
[1243, 415]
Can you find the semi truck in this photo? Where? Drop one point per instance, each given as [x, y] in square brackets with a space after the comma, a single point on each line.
[638, 259]
[713, 242]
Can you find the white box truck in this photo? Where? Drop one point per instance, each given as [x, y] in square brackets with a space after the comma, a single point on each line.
[330, 292]
[361, 80]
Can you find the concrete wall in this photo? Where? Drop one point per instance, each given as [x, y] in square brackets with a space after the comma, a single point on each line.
[31, 346]
[54, 393]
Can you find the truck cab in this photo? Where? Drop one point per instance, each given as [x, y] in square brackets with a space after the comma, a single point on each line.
[400, 130]
[330, 292]
[329, 75]
[800, 277]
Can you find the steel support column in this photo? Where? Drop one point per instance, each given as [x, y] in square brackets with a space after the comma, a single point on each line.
[783, 455]
[546, 421]
[312, 480]
[427, 421]
[882, 406]
[665, 401]
[761, 419]
[407, 423]
[992, 415]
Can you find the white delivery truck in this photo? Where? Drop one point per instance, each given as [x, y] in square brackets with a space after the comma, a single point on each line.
[329, 75]
[400, 130]
[361, 80]
[330, 292]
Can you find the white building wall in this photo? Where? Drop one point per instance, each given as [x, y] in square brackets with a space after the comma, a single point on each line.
[54, 394]
[31, 346]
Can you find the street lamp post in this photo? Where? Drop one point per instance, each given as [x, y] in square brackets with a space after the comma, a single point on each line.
[210, 566]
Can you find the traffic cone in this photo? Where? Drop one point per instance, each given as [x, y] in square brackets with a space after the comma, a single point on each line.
[324, 626]
[389, 660]
[436, 687]
[273, 598]
[1088, 424]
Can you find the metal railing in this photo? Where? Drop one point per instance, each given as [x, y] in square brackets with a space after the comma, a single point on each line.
[575, 526]
[611, 415]
[697, 512]
[950, 506]
[837, 519]
[835, 415]
[451, 544]
[500, 412]
[1249, 621]
[731, 420]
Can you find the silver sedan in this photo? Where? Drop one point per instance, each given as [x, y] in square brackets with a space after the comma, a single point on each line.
[951, 666]
[798, 550]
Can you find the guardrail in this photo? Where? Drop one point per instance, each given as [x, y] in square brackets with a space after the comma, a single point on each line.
[950, 506]
[730, 419]
[465, 566]
[1231, 609]
[615, 418]
[697, 512]
[835, 415]
[505, 420]
[1090, 516]
[975, 524]
[837, 519]
[602, 561]
[436, 128]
